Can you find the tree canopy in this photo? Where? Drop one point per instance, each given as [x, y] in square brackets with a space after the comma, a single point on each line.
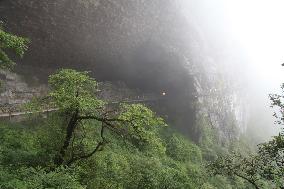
[89, 142]
[73, 94]
[10, 42]
[266, 165]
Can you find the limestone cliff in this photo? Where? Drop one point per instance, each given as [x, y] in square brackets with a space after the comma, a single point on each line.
[153, 46]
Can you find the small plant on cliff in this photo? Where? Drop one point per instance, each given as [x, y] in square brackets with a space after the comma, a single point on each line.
[9, 42]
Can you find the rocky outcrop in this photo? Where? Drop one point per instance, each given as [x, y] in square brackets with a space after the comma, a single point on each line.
[14, 90]
[156, 46]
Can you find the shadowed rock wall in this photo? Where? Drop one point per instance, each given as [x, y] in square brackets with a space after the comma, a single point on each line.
[150, 45]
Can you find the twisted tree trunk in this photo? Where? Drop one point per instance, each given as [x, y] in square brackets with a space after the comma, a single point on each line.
[59, 159]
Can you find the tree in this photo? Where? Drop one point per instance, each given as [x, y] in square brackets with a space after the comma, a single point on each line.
[73, 95]
[266, 165]
[9, 42]
[237, 165]
[272, 158]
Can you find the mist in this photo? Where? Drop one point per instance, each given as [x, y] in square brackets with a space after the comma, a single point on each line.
[252, 30]
[135, 94]
[159, 46]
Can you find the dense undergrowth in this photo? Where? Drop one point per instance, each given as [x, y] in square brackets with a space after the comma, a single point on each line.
[170, 161]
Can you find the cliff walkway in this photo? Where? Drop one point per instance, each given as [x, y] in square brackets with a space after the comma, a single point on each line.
[14, 110]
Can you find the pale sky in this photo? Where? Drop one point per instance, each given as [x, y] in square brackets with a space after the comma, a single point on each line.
[259, 27]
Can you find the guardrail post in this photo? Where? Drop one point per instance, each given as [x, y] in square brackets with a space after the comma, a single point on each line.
[10, 115]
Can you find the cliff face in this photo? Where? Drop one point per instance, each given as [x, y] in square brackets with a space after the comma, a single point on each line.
[15, 91]
[154, 46]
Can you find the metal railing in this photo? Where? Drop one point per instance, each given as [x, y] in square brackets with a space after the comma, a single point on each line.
[16, 109]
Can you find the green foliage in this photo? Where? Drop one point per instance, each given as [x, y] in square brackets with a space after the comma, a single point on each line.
[9, 42]
[182, 150]
[28, 149]
[25, 158]
[74, 95]
[277, 101]
[141, 124]
[237, 165]
[91, 143]
[271, 155]
[38, 178]
[263, 169]
[209, 139]
[72, 90]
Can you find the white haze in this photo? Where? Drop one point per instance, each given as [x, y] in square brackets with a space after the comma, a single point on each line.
[257, 28]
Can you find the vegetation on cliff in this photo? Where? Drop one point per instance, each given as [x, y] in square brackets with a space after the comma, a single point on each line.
[265, 167]
[8, 43]
[87, 142]
[90, 143]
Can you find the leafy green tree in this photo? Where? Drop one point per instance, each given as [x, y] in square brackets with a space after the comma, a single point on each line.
[27, 150]
[266, 166]
[182, 150]
[237, 165]
[73, 95]
[9, 42]
[271, 154]
[29, 177]
[61, 150]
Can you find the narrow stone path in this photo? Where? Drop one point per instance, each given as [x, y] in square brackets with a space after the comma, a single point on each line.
[21, 113]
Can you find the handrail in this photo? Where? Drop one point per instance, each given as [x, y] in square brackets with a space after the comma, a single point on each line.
[20, 113]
